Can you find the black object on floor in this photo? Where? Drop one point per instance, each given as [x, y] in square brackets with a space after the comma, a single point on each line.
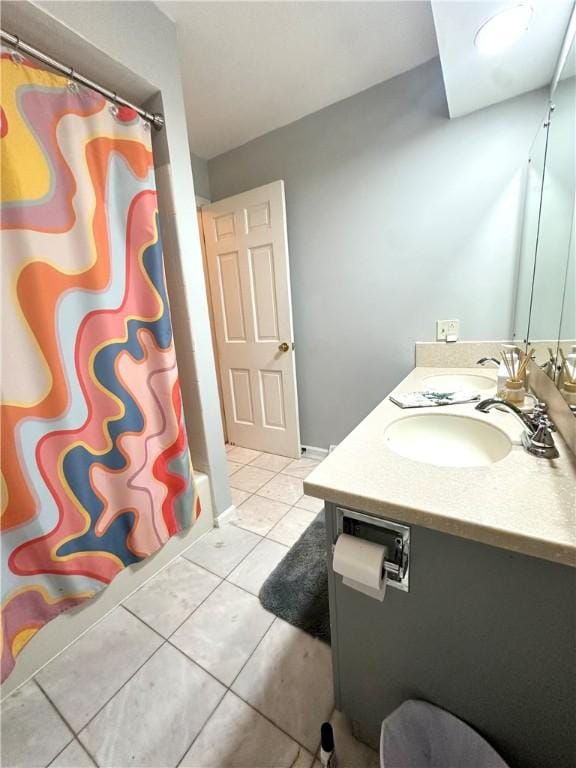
[297, 589]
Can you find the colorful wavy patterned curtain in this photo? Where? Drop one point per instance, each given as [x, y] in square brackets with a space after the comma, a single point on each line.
[96, 472]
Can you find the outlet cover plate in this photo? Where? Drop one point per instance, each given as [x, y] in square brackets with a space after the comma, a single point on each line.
[447, 330]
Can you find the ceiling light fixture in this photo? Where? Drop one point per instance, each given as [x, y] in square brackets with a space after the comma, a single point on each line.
[504, 29]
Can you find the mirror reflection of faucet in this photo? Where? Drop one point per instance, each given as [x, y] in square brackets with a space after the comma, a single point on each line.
[486, 360]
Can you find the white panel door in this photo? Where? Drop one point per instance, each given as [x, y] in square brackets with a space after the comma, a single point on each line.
[247, 254]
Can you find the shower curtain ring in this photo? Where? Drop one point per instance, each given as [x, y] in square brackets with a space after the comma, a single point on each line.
[114, 105]
[72, 85]
[16, 54]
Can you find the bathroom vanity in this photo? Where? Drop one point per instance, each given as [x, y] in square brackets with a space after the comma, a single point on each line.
[479, 615]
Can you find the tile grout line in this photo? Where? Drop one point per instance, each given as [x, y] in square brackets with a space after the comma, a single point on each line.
[105, 616]
[266, 535]
[178, 650]
[167, 640]
[75, 740]
[275, 475]
[278, 727]
[75, 734]
[204, 724]
[66, 723]
[87, 723]
[292, 506]
[225, 578]
[263, 535]
[257, 492]
[229, 689]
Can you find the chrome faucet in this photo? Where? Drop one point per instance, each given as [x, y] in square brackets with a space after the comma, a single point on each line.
[492, 402]
[537, 437]
[485, 360]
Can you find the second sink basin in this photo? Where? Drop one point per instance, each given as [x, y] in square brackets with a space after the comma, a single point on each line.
[447, 440]
[456, 381]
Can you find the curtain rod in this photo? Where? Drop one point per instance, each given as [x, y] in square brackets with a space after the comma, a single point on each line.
[156, 119]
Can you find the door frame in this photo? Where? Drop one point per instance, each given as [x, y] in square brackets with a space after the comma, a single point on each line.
[201, 203]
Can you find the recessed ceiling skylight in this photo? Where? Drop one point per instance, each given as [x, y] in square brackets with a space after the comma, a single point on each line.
[503, 30]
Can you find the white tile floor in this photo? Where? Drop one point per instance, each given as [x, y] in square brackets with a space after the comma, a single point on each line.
[191, 670]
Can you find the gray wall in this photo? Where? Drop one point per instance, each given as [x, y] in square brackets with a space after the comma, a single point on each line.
[200, 174]
[131, 47]
[397, 216]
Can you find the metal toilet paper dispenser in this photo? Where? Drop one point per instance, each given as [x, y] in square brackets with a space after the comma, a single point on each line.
[394, 536]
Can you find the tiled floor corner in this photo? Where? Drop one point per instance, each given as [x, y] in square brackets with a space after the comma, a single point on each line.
[32, 731]
[287, 663]
[260, 515]
[192, 671]
[87, 674]
[224, 632]
[74, 756]
[163, 604]
[155, 717]
[250, 740]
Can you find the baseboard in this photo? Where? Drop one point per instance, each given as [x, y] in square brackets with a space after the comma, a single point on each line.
[311, 452]
[226, 517]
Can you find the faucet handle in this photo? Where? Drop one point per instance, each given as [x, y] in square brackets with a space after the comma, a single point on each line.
[545, 422]
[541, 443]
[540, 416]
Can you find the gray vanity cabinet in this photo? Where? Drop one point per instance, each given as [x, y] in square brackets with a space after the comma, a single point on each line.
[484, 633]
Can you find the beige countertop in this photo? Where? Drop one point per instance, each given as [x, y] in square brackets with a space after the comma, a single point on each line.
[520, 503]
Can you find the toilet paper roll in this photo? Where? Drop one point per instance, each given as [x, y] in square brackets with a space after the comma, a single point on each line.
[361, 564]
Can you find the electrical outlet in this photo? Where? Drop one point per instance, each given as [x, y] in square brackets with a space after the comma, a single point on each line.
[447, 330]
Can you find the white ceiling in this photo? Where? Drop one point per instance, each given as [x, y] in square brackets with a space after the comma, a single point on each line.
[251, 67]
[473, 80]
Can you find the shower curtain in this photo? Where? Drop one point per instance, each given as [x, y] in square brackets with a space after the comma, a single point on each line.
[96, 472]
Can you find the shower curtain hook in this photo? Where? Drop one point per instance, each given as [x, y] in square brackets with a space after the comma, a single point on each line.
[72, 85]
[114, 105]
[16, 55]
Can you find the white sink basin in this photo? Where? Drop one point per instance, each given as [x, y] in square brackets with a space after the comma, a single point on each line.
[456, 381]
[447, 440]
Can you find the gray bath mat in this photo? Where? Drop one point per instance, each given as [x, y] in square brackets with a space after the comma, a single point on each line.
[297, 589]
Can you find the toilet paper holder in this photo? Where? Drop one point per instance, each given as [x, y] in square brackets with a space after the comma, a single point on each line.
[394, 536]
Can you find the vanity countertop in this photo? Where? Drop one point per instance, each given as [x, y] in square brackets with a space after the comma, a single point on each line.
[520, 503]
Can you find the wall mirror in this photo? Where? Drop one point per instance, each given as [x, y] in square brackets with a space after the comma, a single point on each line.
[545, 315]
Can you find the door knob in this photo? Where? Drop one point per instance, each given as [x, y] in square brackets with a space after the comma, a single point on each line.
[284, 347]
